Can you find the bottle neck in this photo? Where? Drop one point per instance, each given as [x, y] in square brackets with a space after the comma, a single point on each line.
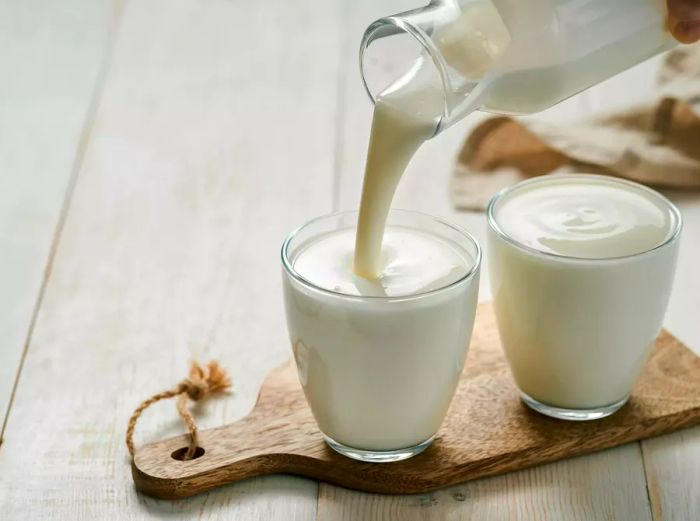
[459, 41]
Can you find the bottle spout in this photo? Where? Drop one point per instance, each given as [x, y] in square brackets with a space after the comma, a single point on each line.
[460, 42]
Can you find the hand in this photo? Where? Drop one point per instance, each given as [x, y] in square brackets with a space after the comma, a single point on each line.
[684, 20]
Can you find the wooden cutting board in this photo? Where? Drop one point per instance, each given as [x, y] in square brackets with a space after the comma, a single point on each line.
[487, 430]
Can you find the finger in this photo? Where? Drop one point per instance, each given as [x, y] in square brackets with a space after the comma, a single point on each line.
[686, 31]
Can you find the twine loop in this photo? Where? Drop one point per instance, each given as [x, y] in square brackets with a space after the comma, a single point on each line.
[201, 383]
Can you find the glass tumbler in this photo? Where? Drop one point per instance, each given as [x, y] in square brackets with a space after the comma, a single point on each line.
[578, 331]
[379, 372]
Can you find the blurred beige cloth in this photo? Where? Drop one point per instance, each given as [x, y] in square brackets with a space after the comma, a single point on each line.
[656, 143]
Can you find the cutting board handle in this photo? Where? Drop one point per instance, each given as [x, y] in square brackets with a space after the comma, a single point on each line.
[278, 436]
[226, 454]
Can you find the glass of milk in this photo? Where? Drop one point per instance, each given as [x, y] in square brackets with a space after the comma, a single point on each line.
[581, 269]
[379, 360]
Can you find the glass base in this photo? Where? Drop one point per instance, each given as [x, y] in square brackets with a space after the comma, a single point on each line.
[378, 456]
[572, 414]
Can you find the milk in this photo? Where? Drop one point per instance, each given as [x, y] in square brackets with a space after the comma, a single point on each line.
[405, 115]
[411, 263]
[561, 47]
[581, 270]
[515, 56]
[586, 217]
[380, 317]
[380, 354]
[379, 359]
[408, 112]
[508, 56]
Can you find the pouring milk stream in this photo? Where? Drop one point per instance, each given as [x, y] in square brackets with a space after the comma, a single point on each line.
[507, 56]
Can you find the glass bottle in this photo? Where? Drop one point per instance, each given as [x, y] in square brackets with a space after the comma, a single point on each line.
[518, 56]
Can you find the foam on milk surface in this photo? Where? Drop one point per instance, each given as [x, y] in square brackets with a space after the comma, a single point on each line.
[411, 262]
[587, 218]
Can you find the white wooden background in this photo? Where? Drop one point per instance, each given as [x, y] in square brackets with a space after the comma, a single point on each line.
[153, 154]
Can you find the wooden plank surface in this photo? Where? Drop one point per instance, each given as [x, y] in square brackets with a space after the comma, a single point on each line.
[566, 490]
[672, 465]
[212, 139]
[214, 136]
[50, 58]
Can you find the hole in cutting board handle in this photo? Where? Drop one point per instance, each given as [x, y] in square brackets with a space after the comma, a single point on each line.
[179, 454]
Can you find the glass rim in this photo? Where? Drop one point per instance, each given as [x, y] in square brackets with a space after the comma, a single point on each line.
[289, 268]
[424, 41]
[493, 224]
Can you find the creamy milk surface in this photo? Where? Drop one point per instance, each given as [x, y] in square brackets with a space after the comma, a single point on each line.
[412, 262]
[585, 217]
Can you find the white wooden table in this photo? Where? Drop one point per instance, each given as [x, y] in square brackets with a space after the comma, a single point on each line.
[153, 154]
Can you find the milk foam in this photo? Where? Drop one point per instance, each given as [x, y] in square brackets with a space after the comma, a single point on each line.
[586, 217]
[411, 262]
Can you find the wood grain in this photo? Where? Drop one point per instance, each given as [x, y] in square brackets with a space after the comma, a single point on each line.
[50, 58]
[529, 494]
[487, 430]
[213, 138]
[673, 472]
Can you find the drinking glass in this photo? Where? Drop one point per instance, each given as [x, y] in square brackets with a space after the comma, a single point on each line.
[379, 372]
[578, 331]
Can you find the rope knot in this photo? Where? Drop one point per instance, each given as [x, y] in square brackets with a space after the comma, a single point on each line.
[201, 383]
[195, 391]
[205, 381]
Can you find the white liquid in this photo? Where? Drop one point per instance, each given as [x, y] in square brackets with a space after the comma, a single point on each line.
[584, 218]
[379, 373]
[407, 113]
[405, 116]
[576, 329]
[560, 47]
[535, 54]
[412, 262]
